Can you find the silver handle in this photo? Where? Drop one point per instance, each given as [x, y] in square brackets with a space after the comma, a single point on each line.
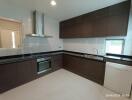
[44, 71]
[43, 59]
[130, 92]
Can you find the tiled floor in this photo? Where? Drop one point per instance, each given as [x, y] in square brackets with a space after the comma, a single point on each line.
[60, 85]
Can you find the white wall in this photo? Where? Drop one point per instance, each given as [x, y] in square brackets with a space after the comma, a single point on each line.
[86, 45]
[31, 45]
[128, 45]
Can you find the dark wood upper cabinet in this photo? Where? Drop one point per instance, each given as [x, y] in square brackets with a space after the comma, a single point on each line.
[100, 27]
[118, 19]
[68, 27]
[109, 21]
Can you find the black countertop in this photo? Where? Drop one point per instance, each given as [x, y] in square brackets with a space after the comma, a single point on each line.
[111, 58]
[119, 58]
[24, 57]
[86, 56]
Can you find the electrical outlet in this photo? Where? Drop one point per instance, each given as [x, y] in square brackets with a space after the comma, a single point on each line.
[60, 47]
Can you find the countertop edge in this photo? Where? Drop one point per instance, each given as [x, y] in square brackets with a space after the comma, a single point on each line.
[23, 57]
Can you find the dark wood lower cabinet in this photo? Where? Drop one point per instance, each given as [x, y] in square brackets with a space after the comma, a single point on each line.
[26, 71]
[15, 74]
[90, 69]
[56, 62]
[8, 76]
[18, 73]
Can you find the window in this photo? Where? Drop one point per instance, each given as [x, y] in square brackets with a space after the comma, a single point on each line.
[114, 46]
[10, 33]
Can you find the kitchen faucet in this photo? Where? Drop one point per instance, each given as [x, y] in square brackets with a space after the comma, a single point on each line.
[97, 51]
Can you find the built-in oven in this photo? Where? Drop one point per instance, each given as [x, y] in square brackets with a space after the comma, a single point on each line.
[43, 65]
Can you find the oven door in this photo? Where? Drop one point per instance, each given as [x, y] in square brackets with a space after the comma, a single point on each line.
[43, 65]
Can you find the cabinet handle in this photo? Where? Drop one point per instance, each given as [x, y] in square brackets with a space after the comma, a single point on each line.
[130, 92]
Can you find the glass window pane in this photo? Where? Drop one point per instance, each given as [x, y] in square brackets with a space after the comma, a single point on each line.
[114, 46]
[10, 34]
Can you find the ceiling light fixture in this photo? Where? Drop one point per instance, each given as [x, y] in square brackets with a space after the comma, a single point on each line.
[53, 3]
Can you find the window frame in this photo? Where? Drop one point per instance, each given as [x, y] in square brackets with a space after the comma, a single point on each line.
[21, 29]
[123, 45]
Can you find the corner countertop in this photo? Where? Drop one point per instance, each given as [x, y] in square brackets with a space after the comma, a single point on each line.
[86, 56]
[118, 58]
[102, 58]
[122, 59]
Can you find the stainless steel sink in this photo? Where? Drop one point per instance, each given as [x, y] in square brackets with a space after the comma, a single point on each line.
[93, 57]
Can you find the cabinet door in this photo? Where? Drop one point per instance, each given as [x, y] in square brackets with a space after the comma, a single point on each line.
[72, 63]
[86, 26]
[70, 28]
[94, 70]
[117, 25]
[101, 21]
[26, 71]
[56, 62]
[8, 77]
[118, 19]
[66, 29]
[101, 27]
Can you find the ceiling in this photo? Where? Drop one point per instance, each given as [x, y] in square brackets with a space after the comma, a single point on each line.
[65, 9]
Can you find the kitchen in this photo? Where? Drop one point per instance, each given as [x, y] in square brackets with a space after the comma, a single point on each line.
[59, 50]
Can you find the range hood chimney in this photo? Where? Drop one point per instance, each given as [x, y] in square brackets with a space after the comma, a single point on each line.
[38, 25]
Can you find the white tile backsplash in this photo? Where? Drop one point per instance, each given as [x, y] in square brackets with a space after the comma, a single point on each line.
[87, 45]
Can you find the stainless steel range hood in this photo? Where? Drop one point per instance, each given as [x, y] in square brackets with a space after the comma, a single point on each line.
[38, 25]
